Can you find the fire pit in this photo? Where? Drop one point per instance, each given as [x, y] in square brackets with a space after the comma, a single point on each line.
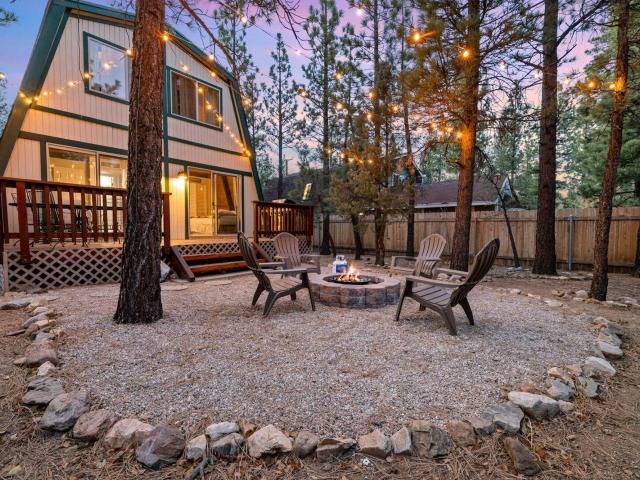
[352, 290]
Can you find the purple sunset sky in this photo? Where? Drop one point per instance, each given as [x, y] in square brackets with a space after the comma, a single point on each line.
[16, 40]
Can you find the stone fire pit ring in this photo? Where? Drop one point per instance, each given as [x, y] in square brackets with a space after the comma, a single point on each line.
[380, 292]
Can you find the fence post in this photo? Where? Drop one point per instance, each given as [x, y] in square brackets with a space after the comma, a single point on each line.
[23, 224]
[572, 220]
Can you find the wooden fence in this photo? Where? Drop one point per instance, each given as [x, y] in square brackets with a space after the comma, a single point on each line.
[575, 232]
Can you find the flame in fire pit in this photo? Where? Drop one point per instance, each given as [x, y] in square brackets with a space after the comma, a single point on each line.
[352, 275]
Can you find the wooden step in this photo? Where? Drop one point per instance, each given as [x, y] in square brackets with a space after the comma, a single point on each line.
[210, 256]
[214, 267]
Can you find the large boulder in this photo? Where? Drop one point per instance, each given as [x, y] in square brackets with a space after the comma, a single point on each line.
[375, 444]
[609, 350]
[228, 446]
[429, 440]
[161, 447]
[93, 425]
[126, 432]
[42, 390]
[401, 442]
[268, 441]
[196, 448]
[462, 433]
[524, 461]
[506, 416]
[536, 406]
[305, 443]
[64, 410]
[219, 430]
[331, 448]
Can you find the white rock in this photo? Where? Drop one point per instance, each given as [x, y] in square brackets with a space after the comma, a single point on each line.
[560, 391]
[401, 442]
[196, 448]
[531, 295]
[608, 337]
[375, 444]
[268, 441]
[566, 407]
[553, 303]
[45, 369]
[534, 405]
[582, 294]
[599, 366]
[219, 430]
[126, 432]
[515, 291]
[609, 350]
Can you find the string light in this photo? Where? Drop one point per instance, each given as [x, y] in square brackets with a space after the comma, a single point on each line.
[185, 68]
[129, 52]
[359, 10]
[369, 116]
[591, 84]
[243, 19]
[298, 52]
[371, 94]
[338, 75]
[165, 37]
[339, 106]
[2, 76]
[466, 53]
[212, 57]
[213, 74]
[416, 37]
[395, 108]
[612, 86]
[86, 75]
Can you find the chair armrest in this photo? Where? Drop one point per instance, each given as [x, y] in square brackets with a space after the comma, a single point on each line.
[271, 265]
[287, 271]
[450, 271]
[430, 281]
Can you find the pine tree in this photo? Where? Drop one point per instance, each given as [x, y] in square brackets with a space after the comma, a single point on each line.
[280, 102]
[6, 17]
[320, 105]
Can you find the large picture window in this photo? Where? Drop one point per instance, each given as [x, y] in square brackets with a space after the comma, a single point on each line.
[109, 69]
[86, 168]
[194, 100]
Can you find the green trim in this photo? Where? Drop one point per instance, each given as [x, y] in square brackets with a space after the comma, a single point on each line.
[169, 99]
[208, 147]
[72, 143]
[204, 166]
[85, 54]
[77, 116]
[54, 21]
[242, 219]
[165, 127]
[44, 173]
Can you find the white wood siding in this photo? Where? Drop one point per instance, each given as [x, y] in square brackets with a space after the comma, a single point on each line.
[25, 160]
[205, 156]
[250, 194]
[177, 187]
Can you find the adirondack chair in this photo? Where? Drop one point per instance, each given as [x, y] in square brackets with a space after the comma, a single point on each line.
[276, 288]
[288, 251]
[431, 249]
[442, 296]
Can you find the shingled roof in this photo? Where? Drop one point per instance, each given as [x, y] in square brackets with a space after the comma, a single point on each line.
[444, 194]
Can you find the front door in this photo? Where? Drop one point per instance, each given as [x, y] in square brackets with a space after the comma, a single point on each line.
[213, 203]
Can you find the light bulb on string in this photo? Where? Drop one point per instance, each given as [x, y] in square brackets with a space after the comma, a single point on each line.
[359, 10]
[212, 57]
[243, 19]
[298, 52]
[129, 52]
[338, 75]
[2, 76]
[165, 37]
[339, 106]
[466, 53]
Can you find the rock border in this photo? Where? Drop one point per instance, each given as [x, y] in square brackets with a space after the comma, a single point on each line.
[160, 446]
[380, 294]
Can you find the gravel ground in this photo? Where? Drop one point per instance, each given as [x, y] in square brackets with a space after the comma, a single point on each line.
[335, 371]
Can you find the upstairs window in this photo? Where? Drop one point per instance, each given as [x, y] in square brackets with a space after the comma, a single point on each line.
[194, 100]
[109, 69]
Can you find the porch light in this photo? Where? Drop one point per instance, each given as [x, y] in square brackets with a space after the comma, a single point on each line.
[182, 175]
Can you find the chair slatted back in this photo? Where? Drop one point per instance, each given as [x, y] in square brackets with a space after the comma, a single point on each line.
[481, 266]
[249, 256]
[288, 247]
[430, 247]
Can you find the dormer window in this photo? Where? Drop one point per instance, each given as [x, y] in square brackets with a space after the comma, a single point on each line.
[195, 100]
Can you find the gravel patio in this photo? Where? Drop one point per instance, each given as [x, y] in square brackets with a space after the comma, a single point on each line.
[335, 371]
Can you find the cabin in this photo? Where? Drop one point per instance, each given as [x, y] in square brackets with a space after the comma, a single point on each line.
[63, 156]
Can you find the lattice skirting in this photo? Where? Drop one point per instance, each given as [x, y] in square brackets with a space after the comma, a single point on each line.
[232, 247]
[61, 268]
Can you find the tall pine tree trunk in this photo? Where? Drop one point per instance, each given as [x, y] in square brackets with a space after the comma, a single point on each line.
[139, 300]
[380, 224]
[603, 222]
[357, 237]
[460, 248]
[545, 256]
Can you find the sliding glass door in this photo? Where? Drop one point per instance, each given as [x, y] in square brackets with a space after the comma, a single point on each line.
[213, 203]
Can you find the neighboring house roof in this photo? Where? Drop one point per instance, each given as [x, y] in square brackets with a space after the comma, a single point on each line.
[444, 194]
[53, 23]
[293, 185]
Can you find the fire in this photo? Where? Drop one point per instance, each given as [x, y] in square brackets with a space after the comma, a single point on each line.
[352, 275]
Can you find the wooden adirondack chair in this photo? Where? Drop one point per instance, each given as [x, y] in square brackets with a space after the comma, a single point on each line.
[442, 296]
[288, 251]
[276, 288]
[431, 249]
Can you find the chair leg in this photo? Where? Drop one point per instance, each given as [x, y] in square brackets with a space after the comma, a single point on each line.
[268, 305]
[464, 303]
[422, 308]
[293, 295]
[313, 303]
[450, 319]
[256, 295]
[405, 292]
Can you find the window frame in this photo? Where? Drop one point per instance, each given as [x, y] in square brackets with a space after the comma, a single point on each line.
[97, 154]
[86, 37]
[198, 82]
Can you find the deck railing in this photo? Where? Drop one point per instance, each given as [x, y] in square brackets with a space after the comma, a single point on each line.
[40, 212]
[271, 219]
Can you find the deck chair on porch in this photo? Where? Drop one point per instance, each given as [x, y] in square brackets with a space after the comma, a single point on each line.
[441, 296]
[277, 287]
[431, 249]
[288, 251]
